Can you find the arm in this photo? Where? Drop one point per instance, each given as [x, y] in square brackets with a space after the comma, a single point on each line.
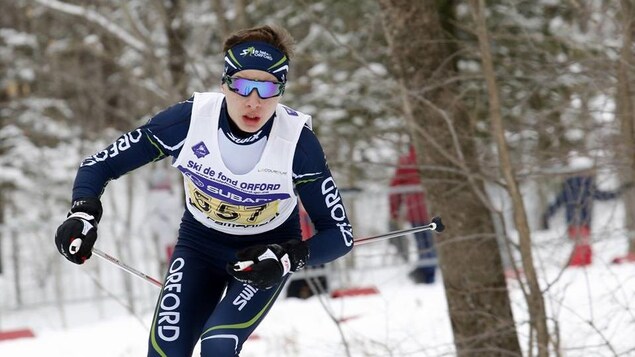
[162, 136]
[263, 266]
[601, 195]
[76, 236]
[322, 201]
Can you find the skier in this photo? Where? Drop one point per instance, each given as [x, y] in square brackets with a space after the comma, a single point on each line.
[241, 154]
[577, 194]
[406, 194]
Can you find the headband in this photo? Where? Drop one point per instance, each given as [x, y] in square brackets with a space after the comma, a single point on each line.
[256, 55]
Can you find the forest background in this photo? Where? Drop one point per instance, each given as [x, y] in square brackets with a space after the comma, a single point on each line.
[497, 96]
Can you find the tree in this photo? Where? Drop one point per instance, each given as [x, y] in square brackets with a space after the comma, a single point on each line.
[473, 277]
[74, 74]
[536, 302]
[626, 113]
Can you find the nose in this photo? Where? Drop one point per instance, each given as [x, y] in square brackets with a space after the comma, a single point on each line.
[253, 100]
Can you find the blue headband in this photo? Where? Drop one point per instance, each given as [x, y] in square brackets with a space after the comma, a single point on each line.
[256, 55]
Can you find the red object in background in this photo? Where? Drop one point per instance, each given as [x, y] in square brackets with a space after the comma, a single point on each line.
[407, 174]
[582, 254]
[305, 223]
[14, 334]
[354, 292]
[308, 230]
[628, 258]
[579, 233]
[348, 318]
[169, 250]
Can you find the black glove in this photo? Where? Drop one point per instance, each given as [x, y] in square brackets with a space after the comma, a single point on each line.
[263, 266]
[76, 236]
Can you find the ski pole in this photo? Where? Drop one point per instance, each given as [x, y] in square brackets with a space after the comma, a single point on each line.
[126, 268]
[434, 225]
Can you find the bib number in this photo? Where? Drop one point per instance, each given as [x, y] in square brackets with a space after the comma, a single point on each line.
[221, 211]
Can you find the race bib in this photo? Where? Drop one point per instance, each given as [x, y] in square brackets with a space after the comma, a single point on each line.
[226, 212]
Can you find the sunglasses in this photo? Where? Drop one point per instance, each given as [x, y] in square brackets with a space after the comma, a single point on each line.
[244, 87]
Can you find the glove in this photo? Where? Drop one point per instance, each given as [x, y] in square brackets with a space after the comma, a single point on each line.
[75, 237]
[264, 266]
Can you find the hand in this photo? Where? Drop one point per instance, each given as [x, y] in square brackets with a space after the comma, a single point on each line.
[75, 237]
[264, 266]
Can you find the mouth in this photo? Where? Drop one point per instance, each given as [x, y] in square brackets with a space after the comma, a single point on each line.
[251, 118]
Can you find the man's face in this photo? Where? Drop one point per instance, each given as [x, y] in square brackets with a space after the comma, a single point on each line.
[250, 113]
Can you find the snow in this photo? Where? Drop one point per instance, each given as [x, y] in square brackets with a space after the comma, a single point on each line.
[580, 162]
[14, 38]
[390, 322]
[592, 308]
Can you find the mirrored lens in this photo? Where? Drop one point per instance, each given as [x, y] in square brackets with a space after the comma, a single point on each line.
[244, 87]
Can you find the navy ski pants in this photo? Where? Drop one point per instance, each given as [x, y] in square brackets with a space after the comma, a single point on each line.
[190, 307]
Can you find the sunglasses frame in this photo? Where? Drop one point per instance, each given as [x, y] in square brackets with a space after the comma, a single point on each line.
[229, 79]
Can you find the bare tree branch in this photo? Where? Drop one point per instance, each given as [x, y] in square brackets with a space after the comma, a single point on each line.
[98, 19]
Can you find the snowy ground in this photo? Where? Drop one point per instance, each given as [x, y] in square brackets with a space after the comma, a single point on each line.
[593, 308]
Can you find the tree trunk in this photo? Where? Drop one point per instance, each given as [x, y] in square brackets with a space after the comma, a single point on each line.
[476, 291]
[241, 20]
[535, 302]
[4, 201]
[223, 23]
[626, 116]
[176, 33]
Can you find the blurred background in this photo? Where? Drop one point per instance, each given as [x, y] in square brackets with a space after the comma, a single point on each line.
[498, 126]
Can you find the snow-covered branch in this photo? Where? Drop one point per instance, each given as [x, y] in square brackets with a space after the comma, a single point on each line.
[98, 19]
